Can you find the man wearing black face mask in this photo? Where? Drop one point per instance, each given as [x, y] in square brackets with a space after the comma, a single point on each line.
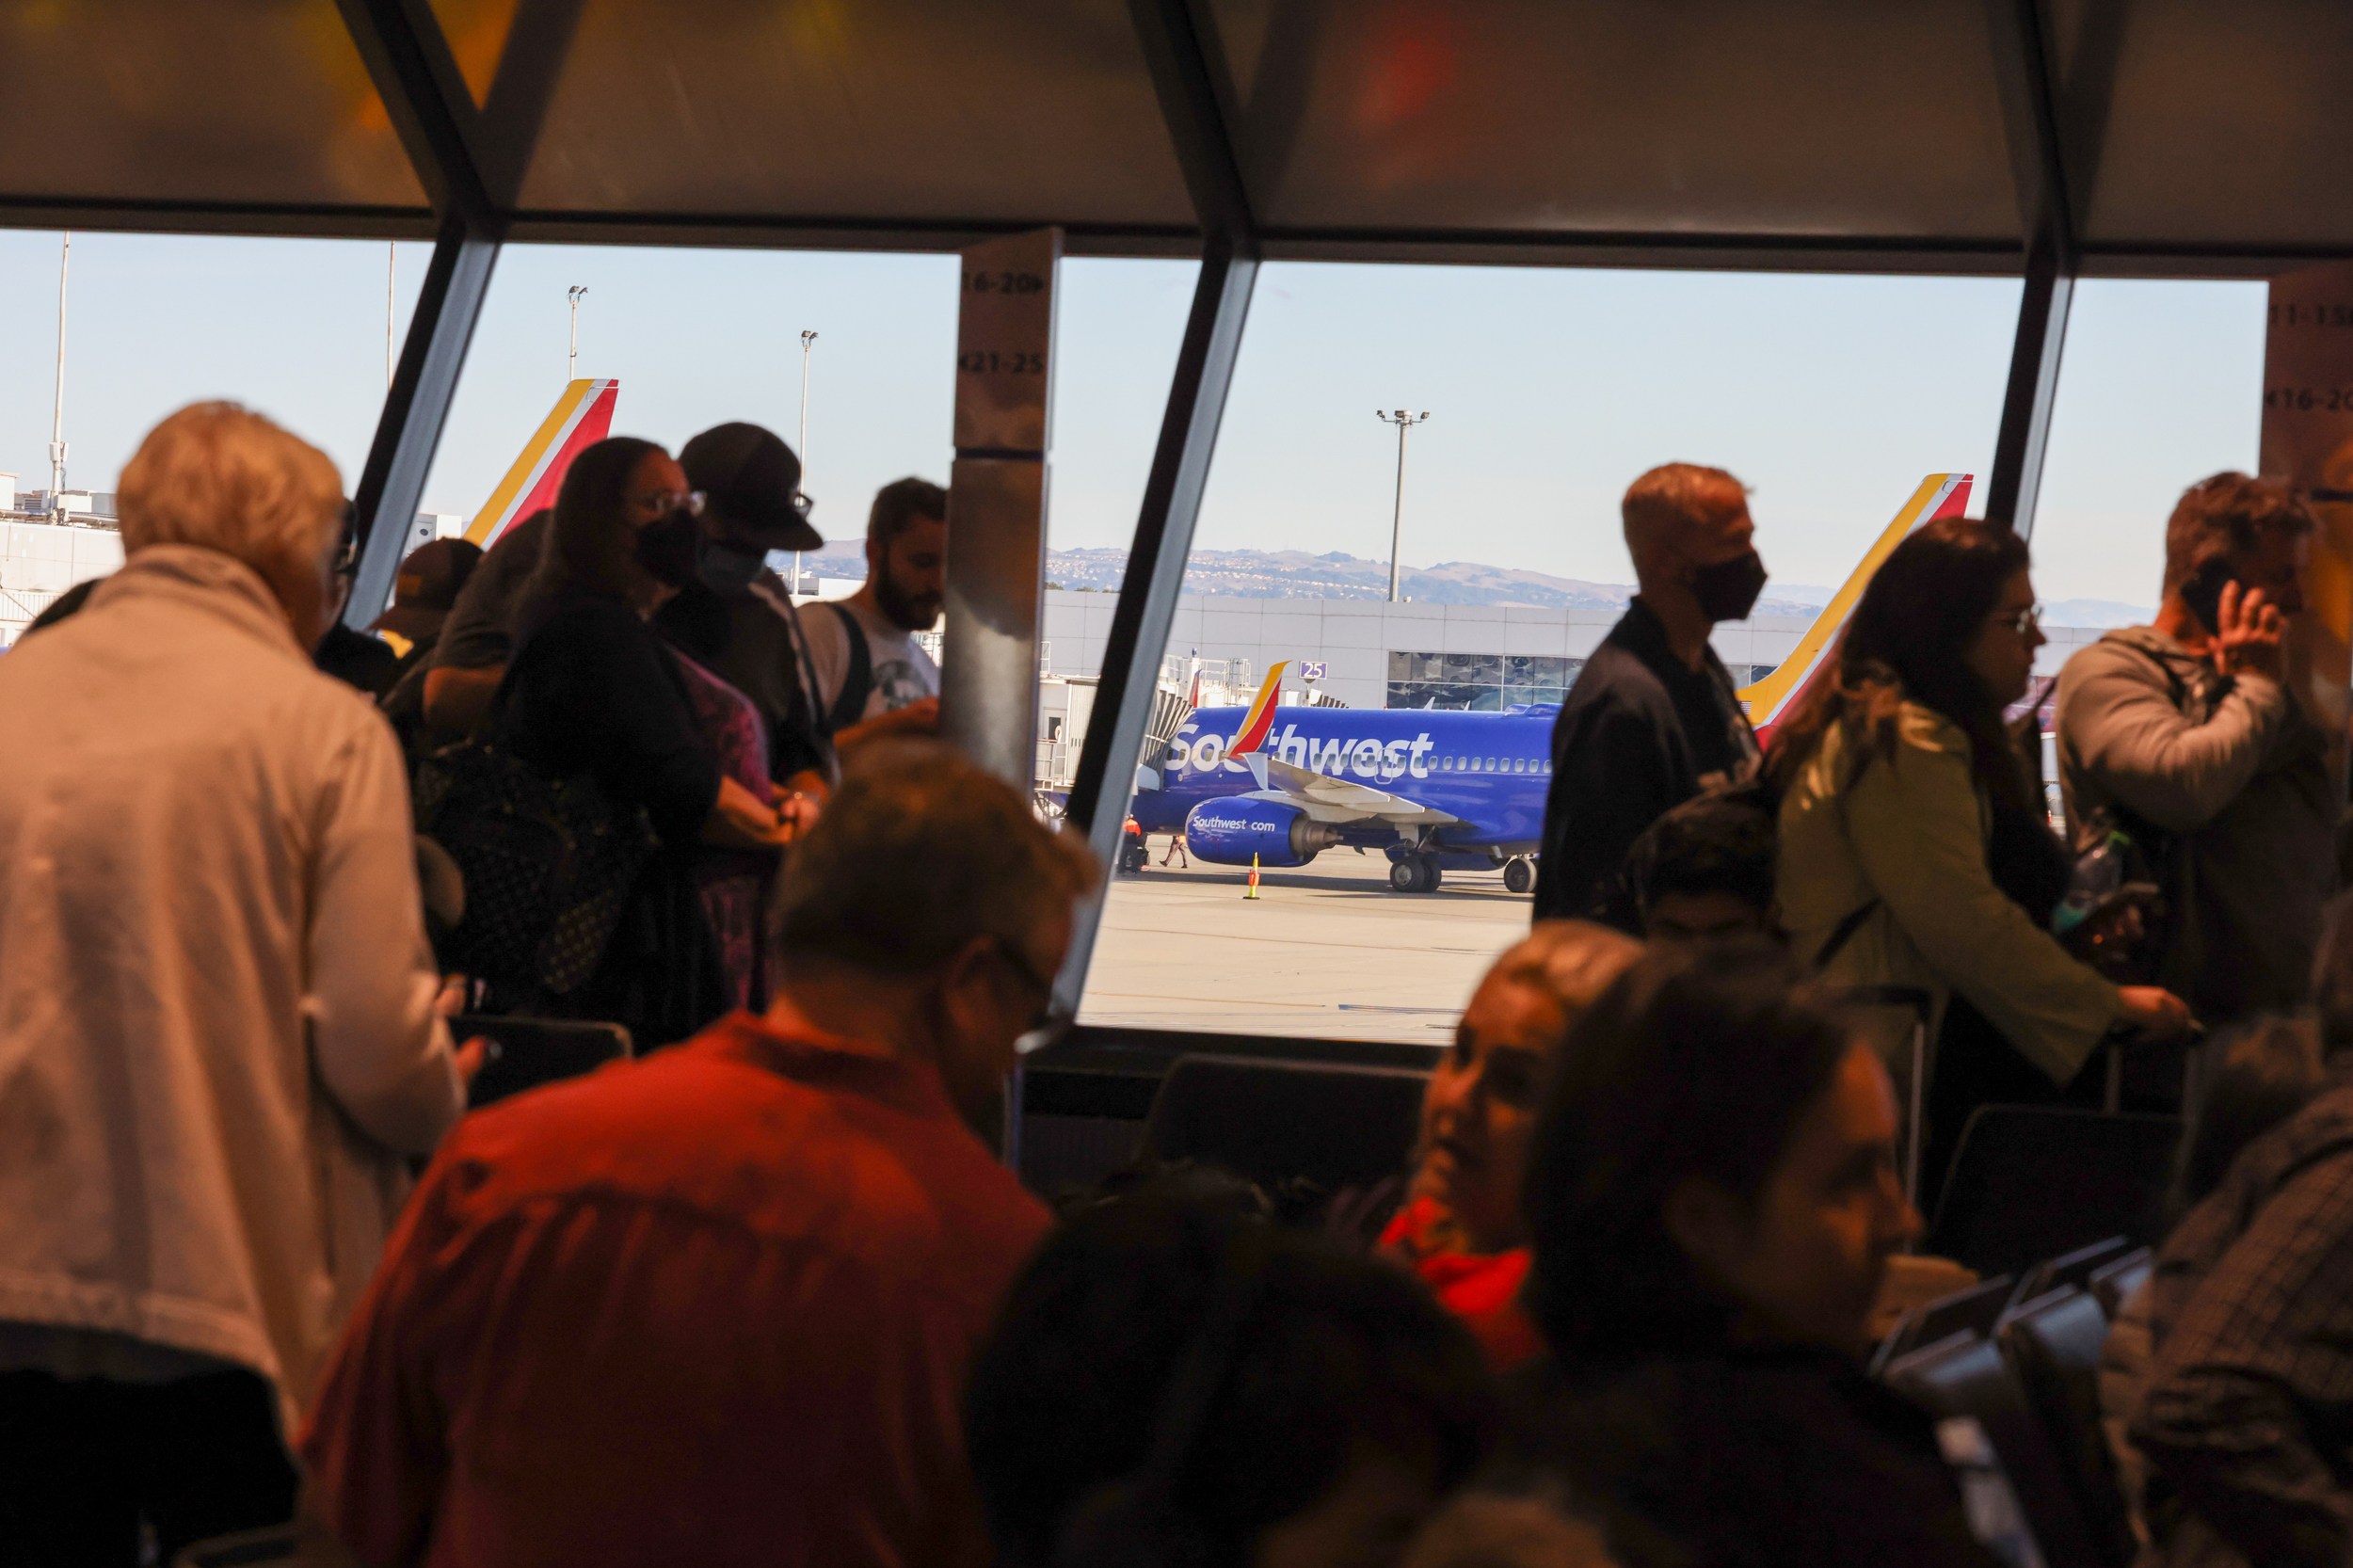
[731, 613]
[1652, 720]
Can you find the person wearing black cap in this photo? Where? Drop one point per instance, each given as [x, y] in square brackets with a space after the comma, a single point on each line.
[736, 618]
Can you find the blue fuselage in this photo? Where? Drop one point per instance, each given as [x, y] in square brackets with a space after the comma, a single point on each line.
[1489, 771]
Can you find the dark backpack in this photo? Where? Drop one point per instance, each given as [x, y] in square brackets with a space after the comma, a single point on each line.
[549, 864]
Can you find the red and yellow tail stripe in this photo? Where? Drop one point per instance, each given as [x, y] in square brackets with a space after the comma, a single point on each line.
[581, 418]
[1259, 721]
[1940, 495]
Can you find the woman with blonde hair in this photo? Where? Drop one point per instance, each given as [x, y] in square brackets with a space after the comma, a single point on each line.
[221, 1039]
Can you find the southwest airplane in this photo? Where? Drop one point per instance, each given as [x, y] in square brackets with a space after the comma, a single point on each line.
[1434, 790]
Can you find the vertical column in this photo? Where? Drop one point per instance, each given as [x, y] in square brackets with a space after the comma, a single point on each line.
[2046, 220]
[2308, 442]
[416, 407]
[996, 501]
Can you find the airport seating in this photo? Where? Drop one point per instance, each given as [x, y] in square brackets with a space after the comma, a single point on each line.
[2031, 1182]
[1974, 1311]
[2054, 1341]
[2068, 1268]
[528, 1053]
[2115, 1281]
[1279, 1123]
[1967, 1375]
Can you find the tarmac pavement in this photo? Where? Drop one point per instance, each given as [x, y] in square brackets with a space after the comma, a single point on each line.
[1327, 949]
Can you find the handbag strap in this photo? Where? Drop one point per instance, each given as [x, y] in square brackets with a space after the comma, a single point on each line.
[1844, 933]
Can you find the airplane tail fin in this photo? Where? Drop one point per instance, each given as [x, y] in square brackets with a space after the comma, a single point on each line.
[1770, 700]
[1260, 719]
[582, 417]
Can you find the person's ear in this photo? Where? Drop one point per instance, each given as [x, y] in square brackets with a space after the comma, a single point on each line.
[877, 554]
[1707, 1225]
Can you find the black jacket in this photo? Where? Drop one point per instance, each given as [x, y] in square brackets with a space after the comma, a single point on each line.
[1638, 735]
[1747, 1459]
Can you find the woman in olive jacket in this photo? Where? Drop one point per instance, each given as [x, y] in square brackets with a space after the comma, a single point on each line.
[1913, 851]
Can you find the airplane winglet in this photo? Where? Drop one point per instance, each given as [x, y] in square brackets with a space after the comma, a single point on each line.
[582, 417]
[1940, 495]
[1259, 721]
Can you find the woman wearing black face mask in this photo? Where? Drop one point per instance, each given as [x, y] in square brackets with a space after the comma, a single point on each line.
[1914, 850]
[593, 691]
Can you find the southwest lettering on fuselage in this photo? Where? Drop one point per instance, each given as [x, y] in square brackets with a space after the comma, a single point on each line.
[1335, 756]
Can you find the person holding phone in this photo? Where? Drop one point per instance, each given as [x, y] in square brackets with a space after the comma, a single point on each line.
[2186, 737]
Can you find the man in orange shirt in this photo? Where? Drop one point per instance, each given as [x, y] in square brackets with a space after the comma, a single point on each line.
[715, 1306]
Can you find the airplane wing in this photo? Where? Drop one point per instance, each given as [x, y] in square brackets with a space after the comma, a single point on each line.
[582, 417]
[1328, 799]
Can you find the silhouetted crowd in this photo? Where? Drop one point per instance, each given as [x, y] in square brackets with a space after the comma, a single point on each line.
[762, 1290]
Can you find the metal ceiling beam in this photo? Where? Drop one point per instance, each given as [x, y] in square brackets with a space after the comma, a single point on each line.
[1180, 59]
[416, 407]
[434, 114]
[401, 44]
[2053, 259]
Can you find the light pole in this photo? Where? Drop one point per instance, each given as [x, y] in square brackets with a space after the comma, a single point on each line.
[809, 341]
[57, 408]
[1404, 422]
[572, 356]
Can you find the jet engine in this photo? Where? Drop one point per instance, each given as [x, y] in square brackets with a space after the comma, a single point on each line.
[1228, 832]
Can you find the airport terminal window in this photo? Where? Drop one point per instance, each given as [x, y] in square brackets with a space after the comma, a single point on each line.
[2161, 385]
[297, 329]
[697, 337]
[1548, 392]
[1483, 683]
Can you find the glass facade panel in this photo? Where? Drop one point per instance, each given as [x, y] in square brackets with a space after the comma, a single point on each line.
[1548, 393]
[1596, 114]
[166, 101]
[2161, 386]
[295, 329]
[2193, 123]
[927, 109]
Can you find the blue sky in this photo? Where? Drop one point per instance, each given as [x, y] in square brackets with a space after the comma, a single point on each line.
[1548, 388]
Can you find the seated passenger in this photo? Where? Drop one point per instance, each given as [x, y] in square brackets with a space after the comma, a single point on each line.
[595, 692]
[714, 1306]
[1461, 1227]
[1175, 1381]
[1916, 851]
[1713, 1199]
[220, 1038]
[2247, 1423]
[2267, 1074]
[1706, 870]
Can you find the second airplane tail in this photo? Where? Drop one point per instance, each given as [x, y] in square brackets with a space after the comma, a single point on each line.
[1940, 495]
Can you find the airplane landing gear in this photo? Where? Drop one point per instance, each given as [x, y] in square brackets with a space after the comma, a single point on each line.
[1519, 875]
[1414, 874]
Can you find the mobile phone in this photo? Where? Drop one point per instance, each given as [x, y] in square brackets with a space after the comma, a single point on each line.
[2202, 593]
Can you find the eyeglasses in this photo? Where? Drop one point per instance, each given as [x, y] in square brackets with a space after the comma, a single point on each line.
[803, 503]
[2021, 621]
[662, 502]
[1018, 962]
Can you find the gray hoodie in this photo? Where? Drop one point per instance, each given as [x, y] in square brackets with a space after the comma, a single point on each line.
[2235, 771]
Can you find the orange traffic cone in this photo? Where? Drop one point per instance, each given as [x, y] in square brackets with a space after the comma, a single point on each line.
[1254, 878]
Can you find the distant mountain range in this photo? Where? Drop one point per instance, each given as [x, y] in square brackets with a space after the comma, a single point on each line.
[1296, 574]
